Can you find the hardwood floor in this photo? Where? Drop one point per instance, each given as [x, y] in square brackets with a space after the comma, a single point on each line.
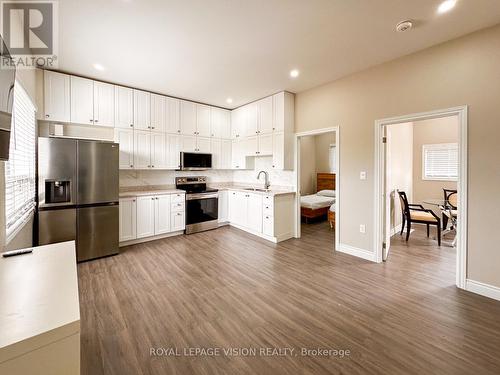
[226, 288]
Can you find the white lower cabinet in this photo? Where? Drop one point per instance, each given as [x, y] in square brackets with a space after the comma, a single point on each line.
[223, 203]
[254, 212]
[178, 221]
[127, 219]
[162, 217]
[268, 216]
[148, 216]
[145, 216]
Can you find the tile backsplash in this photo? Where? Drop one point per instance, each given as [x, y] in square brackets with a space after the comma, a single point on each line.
[277, 178]
[162, 177]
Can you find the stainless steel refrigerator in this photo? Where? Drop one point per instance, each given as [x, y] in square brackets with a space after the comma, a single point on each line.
[78, 195]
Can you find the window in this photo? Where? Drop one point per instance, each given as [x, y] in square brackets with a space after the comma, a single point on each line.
[333, 159]
[440, 162]
[20, 168]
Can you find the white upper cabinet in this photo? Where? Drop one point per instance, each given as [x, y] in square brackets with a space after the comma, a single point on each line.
[158, 151]
[188, 118]
[189, 143]
[278, 151]
[215, 148]
[265, 110]
[158, 113]
[57, 101]
[265, 144]
[125, 137]
[203, 120]
[104, 104]
[174, 146]
[225, 154]
[82, 100]
[142, 149]
[279, 112]
[238, 121]
[220, 123]
[203, 145]
[124, 107]
[173, 115]
[142, 110]
[252, 119]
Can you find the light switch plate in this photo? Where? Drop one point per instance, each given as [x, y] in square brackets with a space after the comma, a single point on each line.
[362, 228]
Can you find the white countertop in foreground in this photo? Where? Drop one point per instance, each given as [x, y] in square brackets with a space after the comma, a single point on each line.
[271, 191]
[139, 193]
[38, 299]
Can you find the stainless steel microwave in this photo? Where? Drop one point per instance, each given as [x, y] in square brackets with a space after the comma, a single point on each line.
[195, 161]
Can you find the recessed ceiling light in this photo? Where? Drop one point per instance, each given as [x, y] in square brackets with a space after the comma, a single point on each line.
[294, 73]
[229, 100]
[446, 6]
[98, 67]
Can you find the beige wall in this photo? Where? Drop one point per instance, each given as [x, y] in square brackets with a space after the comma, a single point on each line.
[400, 176]
[465, 71]
[307, 165]
[323, 142]
[314, 158]
[443, 130]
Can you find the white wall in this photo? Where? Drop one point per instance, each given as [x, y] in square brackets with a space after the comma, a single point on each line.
[307, 165]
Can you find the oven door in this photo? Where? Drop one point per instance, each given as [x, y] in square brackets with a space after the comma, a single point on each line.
[201, 212]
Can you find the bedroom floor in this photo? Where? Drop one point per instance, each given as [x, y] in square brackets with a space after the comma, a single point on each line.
[318, 230]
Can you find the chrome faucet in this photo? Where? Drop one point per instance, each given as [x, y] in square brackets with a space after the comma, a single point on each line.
[266, 183]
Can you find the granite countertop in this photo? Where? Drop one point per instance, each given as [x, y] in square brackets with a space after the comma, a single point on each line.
[274, 190]
[138, 191]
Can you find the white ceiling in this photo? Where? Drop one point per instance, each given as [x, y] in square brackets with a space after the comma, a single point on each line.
[208, 50]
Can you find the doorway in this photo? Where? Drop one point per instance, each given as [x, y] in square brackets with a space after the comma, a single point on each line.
[318, 180]
[385, 194]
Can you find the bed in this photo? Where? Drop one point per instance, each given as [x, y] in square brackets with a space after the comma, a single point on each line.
[318, 205]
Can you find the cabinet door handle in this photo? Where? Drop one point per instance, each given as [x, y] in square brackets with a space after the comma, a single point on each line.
[96, 120]
[152, 127]
[131, 125]
[131, 165]
[178, 131]
[91, 120]
[133, 200]
[47, 116]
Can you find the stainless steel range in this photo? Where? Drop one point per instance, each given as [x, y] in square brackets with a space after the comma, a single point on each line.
[201, 204]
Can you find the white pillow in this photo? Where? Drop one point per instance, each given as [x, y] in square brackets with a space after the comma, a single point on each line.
[326, 193]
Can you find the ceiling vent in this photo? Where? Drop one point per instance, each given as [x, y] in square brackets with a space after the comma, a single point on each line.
[404, 26]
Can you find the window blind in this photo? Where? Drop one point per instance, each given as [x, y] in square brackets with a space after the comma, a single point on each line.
[20, 168]
[440, 161]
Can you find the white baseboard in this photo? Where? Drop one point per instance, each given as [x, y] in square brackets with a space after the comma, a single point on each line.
[357, 252]
[482, 289]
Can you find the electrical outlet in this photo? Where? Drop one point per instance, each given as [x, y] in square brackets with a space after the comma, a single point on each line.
[362, 228]
[362, 175]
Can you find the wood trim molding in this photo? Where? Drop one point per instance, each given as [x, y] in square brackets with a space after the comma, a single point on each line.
[338, 178]
[378, 220]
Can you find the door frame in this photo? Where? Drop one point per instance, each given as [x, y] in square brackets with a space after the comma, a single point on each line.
[299, 135]
[462, 113]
